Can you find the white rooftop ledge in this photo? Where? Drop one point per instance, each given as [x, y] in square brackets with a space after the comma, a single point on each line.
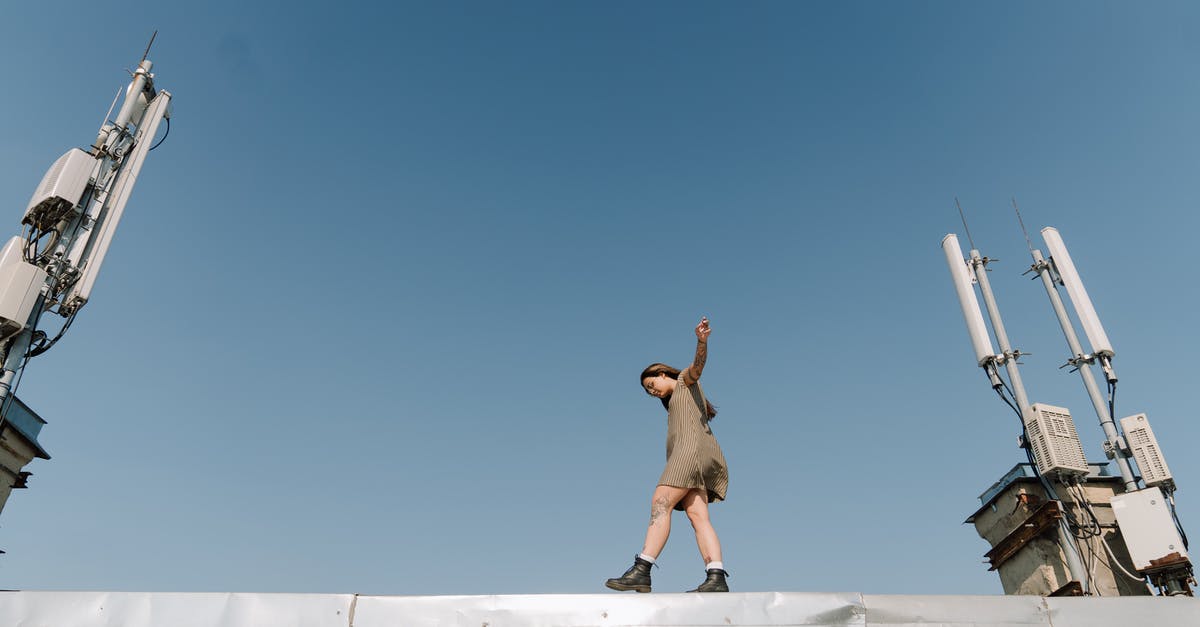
[184, 609]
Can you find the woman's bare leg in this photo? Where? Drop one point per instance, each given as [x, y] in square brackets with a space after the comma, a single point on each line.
[664, 499]
[696, 505]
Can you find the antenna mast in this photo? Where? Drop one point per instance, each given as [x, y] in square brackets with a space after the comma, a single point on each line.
[977, 265]
[1113, 446]
[69, 225]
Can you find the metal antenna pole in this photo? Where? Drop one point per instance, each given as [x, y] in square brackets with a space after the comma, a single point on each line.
[1113, 447]
[147, 52]
[1065, 538]
[979, 267]
[964, 221]
[1022, 223]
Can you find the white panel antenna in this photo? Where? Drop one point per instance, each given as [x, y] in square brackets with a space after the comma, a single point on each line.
[1146, 452]
[961, 275]
[1075, 290]
[1055, 443]
[90, 253]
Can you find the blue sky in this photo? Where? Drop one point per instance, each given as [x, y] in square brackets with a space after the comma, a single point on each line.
[373, 319]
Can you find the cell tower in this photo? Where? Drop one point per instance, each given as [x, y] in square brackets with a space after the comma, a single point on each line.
[1146, 516]
[1143, 533]
[962, 271]
[68, 227]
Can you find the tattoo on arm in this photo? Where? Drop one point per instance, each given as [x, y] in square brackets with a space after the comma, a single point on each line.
[692, 374]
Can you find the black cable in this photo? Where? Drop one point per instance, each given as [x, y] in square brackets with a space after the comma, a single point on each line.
[45, 346]
[1112, 400]
[164, 137]
[12, 390]
[1024, 435]
[1095, 530]
[31, 245]
[1175, 516]
[1072, 521]
[37, 251]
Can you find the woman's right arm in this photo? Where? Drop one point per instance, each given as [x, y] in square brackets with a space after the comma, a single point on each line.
[691, 374]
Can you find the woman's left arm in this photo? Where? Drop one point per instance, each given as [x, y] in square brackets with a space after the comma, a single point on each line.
[692, 374]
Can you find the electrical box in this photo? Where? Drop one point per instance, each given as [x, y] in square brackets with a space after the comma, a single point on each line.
[61, 189]
[1146, 453]
[1148, 527]
[1055, 442]
[20, 284]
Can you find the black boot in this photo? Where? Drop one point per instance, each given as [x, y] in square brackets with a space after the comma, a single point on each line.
[636, 578]
[714, 582]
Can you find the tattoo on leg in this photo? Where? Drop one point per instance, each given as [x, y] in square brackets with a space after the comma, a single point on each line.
[658, 510]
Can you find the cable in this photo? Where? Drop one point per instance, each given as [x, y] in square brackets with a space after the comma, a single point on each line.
[164, 137]
[1069, 521]
[1112, 400]
[1094, 528]
[45, 346]
[1175, 516]
[30, 244]
[12, 390]
[1024, 436]
[1113, 560]
[1090, 560]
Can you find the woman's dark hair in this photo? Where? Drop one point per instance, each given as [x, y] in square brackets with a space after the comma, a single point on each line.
[653, 370]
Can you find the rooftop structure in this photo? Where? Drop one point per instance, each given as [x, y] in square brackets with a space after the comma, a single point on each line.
[138, 609]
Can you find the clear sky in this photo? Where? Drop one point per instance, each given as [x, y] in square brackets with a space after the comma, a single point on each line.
[374, 317]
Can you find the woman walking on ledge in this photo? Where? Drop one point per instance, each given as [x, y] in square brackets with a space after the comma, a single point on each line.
[695, 475]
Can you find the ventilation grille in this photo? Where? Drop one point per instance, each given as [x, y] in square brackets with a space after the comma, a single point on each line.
[1146, 453]
[1055, 442]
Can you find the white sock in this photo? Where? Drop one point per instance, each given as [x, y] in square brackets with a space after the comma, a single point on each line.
[643, 556]
[714, 566]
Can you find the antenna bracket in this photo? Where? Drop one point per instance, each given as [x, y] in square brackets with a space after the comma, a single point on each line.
[1037, 268]
[1014, 355]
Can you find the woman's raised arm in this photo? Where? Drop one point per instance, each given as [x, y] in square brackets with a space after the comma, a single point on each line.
[692, 374]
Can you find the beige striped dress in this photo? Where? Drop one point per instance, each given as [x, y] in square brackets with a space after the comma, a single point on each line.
[694, 459]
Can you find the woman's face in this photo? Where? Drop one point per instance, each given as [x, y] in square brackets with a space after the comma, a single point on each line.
[659, 386]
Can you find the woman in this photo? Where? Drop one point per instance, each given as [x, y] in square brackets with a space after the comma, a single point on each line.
[695, 475]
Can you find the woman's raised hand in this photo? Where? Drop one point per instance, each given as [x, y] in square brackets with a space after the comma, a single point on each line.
[692, 373]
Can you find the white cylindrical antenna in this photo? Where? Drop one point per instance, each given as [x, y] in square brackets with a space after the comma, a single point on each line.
[980, 341]
[1075, 290]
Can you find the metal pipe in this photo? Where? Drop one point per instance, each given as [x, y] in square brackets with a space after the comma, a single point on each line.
[1082, 363]
[979, 267]
[1065, 539]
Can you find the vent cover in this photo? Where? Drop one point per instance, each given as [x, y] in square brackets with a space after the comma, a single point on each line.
[1055, 442]
[1146, 453]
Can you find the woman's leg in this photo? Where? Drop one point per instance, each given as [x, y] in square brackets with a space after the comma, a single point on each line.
[696, 505]
[664, 500]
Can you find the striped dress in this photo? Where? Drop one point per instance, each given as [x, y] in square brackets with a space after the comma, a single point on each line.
[694, 459]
